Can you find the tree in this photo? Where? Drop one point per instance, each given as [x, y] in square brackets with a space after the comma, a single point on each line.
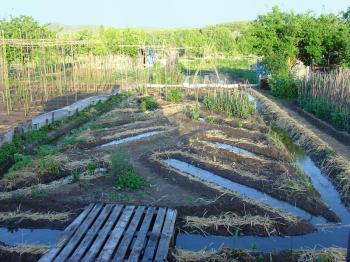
[24, 27]
[274, 36]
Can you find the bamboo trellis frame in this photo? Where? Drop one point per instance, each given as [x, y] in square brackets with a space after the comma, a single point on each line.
[42, 69]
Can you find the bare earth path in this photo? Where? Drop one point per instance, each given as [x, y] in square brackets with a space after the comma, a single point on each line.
[341, 148]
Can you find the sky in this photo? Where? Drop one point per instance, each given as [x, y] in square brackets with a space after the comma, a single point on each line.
[157, 13]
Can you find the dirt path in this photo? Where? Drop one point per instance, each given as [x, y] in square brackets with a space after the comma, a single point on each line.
[341, 148]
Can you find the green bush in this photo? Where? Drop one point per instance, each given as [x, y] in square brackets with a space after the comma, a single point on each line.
[283, 86]
[46, 150]
[148, 103]
[48, 166]
[174, 96]
[130, 180]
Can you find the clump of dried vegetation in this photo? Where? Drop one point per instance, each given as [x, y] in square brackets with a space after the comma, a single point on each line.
[228, 220]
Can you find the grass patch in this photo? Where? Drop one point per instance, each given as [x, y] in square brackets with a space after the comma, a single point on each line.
[71, 141]
[126, 177]
[46, 150]
[175, 96]
[148, 103]
[20, 162]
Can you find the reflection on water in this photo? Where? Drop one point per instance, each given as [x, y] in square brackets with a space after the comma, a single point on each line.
[242, 189]
[24, 236]
[131, 138]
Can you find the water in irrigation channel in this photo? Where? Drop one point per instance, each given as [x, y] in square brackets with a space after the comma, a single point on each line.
[23, 236]
[327, 235]
[131, 138]
[234, 149]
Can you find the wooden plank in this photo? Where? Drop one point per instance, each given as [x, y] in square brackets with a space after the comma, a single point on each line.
[129, 234]
[90, 235]
[66, 235]
[102, 235]
[116, 234]
[141, 236]
[154, 236]
[167, 234]
[70, 246]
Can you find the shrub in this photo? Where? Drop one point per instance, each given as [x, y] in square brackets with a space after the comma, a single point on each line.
[174, 96]
[48, 166]
[148, 103]
[283, 86]
[46, 150]
[130, 180]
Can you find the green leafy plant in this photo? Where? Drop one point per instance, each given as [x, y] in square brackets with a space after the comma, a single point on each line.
[174, 96]
[130, 180]
[91, 167]
[193, 113]
[148, 103]
[254, 246]
[126, 177]
[48, 166]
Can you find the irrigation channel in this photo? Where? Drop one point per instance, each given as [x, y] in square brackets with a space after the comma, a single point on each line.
[327, 234]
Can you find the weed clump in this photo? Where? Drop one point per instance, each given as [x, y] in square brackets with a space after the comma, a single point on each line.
[193, 113]
[46, 150]
[148, 103]
[130, 180]
[174, 96]
[48, 166]
[126, 177]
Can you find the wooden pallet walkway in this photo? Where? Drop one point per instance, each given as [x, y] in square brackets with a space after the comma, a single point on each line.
[107, 232]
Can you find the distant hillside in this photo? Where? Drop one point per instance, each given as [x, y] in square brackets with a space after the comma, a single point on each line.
[71, 29]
